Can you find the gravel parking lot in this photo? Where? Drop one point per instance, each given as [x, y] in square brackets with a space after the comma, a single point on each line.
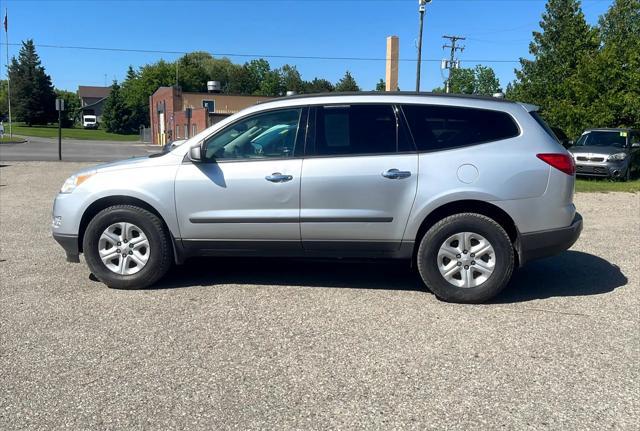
[248, 344]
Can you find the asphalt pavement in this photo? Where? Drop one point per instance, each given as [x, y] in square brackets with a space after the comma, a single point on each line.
[74, 150]
[292, 344]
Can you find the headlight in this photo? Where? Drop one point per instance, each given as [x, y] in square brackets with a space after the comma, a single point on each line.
[617, 157]
[74, 181]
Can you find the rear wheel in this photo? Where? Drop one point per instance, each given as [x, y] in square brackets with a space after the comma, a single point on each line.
[466, 258]
[127, 247]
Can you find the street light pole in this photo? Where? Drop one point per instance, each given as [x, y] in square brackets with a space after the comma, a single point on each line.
[421, 9]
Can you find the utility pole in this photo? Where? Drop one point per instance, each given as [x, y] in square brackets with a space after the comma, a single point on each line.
[6, 32]
[452, 63]
[422, 6]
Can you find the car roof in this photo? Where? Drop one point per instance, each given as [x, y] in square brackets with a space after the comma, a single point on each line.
[390, 94]
[389, 97]
[611, 129]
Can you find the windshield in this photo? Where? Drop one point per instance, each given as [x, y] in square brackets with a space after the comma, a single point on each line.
[611, 138]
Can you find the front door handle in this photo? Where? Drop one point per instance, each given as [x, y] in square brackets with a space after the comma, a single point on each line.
[277, 177]
[395, 174]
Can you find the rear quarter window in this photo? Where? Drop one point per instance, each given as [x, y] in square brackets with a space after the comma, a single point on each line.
[437, 127]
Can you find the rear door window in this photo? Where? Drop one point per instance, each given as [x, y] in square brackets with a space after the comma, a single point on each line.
[357, 129]
[437, 127]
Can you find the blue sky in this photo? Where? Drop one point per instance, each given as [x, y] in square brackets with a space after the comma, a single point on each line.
[495, 30]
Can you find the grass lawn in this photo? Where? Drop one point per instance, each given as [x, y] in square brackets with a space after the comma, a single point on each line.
[603, 185]
[87, 134]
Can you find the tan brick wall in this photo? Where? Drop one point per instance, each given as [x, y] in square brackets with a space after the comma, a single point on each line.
[224, 103]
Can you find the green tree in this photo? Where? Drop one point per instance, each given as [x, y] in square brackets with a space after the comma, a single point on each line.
[318, 86]
[609, 82]
[381, 85]
[140, 85]
[291, 79]
[71, 111]
[347, 83]
[480, 80]
[116, 116]
[272, 84]
[32, 94]
[4, 99]
[192, 72]
[462, 81]
[486, 81]
[559, 50]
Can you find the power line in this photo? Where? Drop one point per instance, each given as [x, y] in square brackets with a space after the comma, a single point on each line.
[227, 54]
[452, 63]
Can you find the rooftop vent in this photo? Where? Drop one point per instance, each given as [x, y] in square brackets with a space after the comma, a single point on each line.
[214, 87]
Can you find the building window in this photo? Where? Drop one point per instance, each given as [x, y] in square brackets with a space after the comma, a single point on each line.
[210, 105]
[186, 131]
[194, 130]
[177, 132]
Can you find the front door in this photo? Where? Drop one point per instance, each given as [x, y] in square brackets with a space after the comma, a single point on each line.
[359, 179]
[246, 192]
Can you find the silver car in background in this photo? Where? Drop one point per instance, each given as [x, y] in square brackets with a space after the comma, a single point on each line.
[607, 153]
[464, 188]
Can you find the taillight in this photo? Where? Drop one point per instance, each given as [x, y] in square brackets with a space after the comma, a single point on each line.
[562, 162]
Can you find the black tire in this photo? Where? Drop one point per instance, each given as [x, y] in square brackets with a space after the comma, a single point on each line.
[627, 175]
[160, 248]
[427, 258]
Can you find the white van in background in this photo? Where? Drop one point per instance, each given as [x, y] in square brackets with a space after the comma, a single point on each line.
[89, 122]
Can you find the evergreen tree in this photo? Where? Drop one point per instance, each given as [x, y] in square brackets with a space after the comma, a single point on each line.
[32, 94]
[130, 90]
[381, 85]
[559, 50]
[347, 83]
[116, 116]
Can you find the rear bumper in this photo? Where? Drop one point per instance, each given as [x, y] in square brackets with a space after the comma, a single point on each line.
[70, 245]
[541, 244]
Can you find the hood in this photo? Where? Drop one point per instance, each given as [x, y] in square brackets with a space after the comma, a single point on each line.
[596, 149]
[136, 162]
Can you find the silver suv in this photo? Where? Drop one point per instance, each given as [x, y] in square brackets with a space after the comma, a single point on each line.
[465, 188]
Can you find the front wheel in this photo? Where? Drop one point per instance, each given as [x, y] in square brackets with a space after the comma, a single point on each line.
[127, 247]
[466, 258]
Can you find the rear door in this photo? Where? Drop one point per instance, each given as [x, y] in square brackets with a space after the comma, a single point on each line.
[359, 179]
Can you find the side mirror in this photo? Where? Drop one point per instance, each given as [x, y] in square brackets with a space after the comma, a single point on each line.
[195, 153]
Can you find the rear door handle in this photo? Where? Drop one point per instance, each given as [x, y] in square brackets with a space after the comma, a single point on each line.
[395, 174]
[277, 177]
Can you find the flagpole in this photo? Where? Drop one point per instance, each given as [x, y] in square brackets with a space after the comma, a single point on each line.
[6, 34]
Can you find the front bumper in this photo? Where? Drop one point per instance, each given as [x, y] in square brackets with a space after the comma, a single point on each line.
[609, 170]
[541, 244]
[70, 245]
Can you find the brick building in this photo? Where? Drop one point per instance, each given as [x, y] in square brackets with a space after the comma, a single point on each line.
[168, 112]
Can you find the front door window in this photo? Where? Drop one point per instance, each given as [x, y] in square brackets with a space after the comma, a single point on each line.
[267, 135]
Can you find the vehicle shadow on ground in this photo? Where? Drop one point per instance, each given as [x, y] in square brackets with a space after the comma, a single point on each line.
[571, 273]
